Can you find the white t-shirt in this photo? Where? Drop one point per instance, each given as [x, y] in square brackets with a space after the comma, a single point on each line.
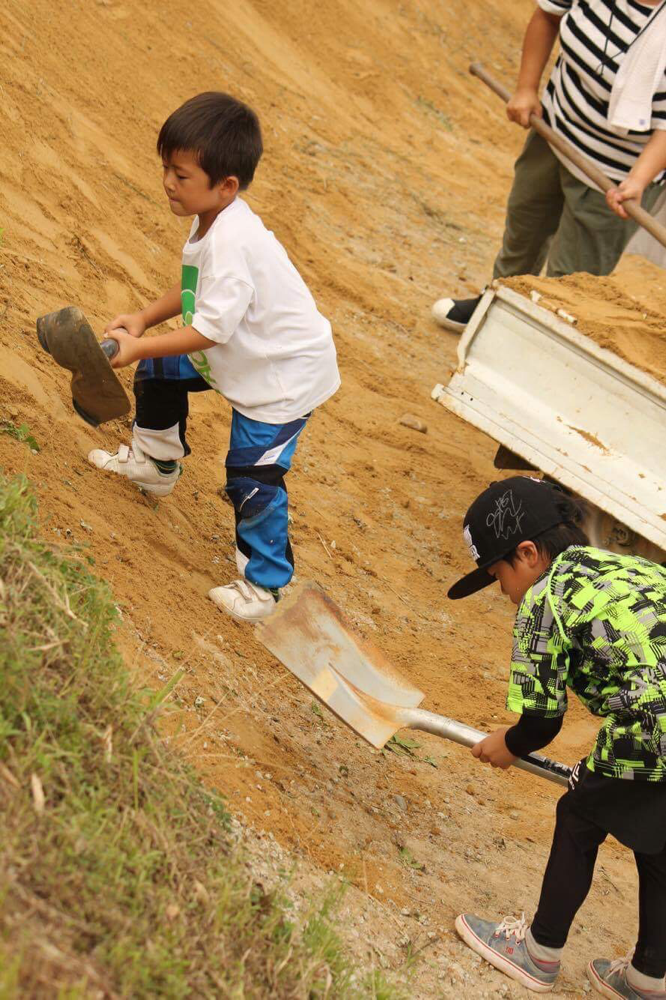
[274, 358]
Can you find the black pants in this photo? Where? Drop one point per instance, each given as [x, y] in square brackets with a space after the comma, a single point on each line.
[568, 879]
[162, 403]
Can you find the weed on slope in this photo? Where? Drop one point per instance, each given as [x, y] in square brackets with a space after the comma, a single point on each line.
[118, 874]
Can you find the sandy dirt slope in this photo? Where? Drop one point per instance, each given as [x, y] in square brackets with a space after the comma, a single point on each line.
[385, 174]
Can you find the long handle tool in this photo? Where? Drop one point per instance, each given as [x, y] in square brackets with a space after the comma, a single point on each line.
[309, 634]
[632, 207]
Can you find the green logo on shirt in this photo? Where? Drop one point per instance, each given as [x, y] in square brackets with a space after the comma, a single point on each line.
[188, 292]
[188, 297]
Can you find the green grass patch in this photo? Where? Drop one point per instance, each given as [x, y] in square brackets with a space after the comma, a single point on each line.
[118, 876]
[20, 433]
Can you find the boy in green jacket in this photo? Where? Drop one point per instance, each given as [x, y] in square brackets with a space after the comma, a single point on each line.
[593, 622]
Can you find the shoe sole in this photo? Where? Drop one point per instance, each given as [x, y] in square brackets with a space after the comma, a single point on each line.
[599, 985]
[501, 963]
[156, 490]
[449, 324]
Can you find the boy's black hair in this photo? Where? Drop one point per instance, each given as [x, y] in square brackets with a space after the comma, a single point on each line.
[223, 132]
[553, 541]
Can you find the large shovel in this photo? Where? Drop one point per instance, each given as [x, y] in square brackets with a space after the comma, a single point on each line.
[97, 393]
[309, 634]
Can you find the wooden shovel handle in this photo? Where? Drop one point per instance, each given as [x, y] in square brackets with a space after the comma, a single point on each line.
[632, 207]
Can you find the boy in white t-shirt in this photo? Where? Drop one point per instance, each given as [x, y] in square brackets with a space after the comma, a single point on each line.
[252, 333]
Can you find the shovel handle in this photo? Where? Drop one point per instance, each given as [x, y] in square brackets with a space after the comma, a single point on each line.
[632, 207]
[449, 729]
[110, 347]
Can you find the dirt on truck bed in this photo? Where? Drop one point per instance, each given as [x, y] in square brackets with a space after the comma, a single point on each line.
[385, 176]
[625, 312]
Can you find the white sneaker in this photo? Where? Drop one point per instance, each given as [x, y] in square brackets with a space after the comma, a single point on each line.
[244, 600]
[137, 467]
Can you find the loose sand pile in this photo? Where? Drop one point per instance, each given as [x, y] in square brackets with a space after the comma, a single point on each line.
[385, 175]
[625, 313]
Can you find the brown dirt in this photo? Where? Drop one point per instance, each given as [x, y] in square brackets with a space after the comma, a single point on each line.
[385, 176]
[624, 312]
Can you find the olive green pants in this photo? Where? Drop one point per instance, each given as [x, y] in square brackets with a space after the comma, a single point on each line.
[554, 217]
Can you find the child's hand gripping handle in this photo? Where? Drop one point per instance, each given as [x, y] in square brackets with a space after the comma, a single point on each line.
[449, 729]
[110, 347]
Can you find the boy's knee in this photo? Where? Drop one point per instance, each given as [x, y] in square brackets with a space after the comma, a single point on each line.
[251, 497]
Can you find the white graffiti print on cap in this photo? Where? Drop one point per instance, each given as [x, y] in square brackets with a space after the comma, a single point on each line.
[505, 520]
[473, 551]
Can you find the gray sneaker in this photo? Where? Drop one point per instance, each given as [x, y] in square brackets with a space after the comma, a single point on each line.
[503, 945]
[610, 979]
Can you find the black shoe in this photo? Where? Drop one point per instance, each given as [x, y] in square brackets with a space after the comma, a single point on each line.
[454, 314]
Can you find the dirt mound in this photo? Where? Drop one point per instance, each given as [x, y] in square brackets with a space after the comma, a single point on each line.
[625, 313]
[385, 176]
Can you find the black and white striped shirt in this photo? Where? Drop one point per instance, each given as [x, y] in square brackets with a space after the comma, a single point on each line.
[594, 37]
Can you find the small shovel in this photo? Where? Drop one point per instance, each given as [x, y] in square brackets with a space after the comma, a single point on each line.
[309, 634]
[97, 393]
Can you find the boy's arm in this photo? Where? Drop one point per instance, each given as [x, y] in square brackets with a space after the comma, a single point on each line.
[165, 308]
[506, 745]
[153, 314]
[186, 340]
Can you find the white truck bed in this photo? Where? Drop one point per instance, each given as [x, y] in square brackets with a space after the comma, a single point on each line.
[566, 406]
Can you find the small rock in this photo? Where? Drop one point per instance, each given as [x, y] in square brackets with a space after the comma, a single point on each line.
[409, 420]
[535, 296]
[86, 527]
[199, 702]
[401, 802]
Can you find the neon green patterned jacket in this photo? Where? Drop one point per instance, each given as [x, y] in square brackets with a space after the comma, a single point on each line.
[595, 622]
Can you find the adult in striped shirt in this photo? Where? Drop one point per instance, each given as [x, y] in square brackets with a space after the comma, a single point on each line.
[555, 216]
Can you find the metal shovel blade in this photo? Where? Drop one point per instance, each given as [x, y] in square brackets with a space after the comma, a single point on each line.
[309, 634]
[97, 393]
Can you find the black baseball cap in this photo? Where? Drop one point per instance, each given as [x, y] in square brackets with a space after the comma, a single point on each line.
[509, 512]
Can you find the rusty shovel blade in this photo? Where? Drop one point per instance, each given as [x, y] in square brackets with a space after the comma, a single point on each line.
[310, 635]
[97, 393]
